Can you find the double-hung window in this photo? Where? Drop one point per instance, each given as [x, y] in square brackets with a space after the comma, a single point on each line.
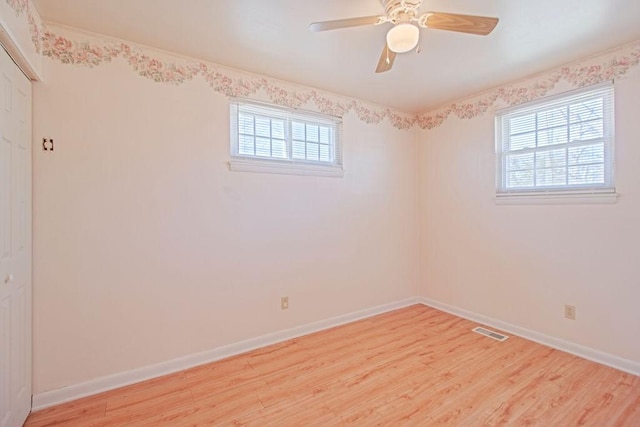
[269, 138]
[557, 146]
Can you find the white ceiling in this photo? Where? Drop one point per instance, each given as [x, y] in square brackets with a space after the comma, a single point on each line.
[271, 37]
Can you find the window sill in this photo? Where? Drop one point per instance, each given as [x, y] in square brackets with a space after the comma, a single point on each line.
[556, 198]
[286, 168]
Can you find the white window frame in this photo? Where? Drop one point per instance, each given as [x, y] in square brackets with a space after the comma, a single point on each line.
[290, 165]
[583, 193]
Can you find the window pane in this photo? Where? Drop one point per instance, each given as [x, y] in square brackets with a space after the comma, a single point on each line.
[245, 145]
[312, 133]
[518, 142]
[522, 124]
[245, 123]
[324, 135]
[519, 161]
[586, 174]
[585, 131]
[553, 176]
[297, 150]
[263, 126]
[552, 136]
[313, 152]
[552, 118]
[297, 131]
[279, 149]
[586, 154]
[263, 147]
[551, 158]
[519, 179]
[325, 153]
[587, 110]
[277, 129]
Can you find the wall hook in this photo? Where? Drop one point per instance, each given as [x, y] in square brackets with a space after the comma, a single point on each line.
[47, 144]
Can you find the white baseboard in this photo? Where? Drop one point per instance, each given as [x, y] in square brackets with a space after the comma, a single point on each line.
[110, 382]
[588, 353]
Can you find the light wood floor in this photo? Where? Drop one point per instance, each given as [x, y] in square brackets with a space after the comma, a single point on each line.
[415, 366]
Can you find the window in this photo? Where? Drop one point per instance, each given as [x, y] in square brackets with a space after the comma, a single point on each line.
[559, 145]
[268, 138]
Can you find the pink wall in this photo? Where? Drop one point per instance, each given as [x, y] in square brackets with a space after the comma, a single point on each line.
[147, 248]
[520, 264]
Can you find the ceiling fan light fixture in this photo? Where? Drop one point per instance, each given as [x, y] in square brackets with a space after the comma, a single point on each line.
[403, 37]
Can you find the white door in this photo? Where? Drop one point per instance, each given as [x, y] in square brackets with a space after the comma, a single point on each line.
[15, 244]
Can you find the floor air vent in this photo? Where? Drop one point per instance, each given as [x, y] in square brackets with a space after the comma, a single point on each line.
[490, 334]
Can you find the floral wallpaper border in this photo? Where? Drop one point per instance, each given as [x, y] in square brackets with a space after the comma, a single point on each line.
[27, 9]
[612, 65]
[70, 47]
[88, 51]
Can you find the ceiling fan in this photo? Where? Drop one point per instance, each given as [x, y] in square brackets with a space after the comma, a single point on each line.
[405, 34]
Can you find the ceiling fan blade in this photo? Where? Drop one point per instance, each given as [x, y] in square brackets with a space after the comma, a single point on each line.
[345, 23]
[480, 25]
[386, 60]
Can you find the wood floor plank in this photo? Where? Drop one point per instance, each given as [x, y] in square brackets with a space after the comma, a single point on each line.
[414, 366]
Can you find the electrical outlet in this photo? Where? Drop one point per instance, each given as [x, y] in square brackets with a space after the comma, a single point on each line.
[284, 303]
[570, 311]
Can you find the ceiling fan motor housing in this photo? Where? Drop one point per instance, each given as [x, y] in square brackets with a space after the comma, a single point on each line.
[401, 10]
